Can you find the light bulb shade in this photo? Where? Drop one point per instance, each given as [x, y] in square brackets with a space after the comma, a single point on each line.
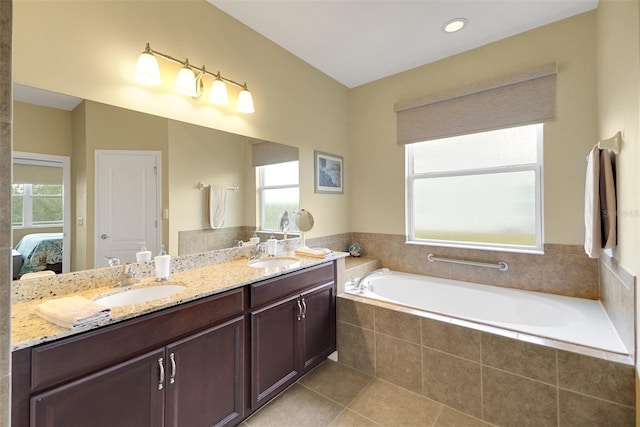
[147, 70]
[218, 94]
[186, 82]
[245, 102]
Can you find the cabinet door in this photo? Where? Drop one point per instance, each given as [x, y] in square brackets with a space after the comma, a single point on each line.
[128, 394]
[319, 325]
[205, 377]
[274, 340]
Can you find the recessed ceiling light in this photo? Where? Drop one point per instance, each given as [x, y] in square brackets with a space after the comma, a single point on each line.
[454, 25]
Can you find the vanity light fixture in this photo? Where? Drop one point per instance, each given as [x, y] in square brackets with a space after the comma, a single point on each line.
[454, 25]
[189, 83]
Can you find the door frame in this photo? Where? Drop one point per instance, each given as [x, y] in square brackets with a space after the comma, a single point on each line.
[64, 162]
[96, 173]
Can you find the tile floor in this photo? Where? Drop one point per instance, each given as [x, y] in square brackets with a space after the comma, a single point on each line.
[335, 395]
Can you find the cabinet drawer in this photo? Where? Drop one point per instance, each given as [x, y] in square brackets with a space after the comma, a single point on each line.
[279, 287]
[72, 357]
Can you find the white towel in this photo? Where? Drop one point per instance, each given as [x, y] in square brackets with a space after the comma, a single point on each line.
[215, 206]
[600, 211]
[72, 312]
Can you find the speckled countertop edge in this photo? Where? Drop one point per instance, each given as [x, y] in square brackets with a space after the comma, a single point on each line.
[28, 329]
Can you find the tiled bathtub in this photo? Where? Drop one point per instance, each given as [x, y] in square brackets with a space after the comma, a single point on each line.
[499, 376]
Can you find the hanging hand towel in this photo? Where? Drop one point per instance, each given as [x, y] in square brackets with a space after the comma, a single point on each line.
[600, 212]
[215, 206]
[72, 312]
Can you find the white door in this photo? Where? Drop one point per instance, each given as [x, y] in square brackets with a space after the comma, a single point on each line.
[128, 201]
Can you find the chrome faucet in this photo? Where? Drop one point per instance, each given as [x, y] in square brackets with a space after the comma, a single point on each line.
[359, 283]
[257, 251]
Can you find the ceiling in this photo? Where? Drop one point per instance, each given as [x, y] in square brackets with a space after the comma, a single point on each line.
[359, 41]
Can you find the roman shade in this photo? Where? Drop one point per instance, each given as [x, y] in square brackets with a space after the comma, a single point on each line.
[519, 99]
[36, 174]
[269, 153]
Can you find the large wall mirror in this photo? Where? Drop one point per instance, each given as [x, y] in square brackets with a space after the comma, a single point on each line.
[189, 159]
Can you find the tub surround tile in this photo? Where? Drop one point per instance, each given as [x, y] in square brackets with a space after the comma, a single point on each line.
[519, 357]
[398, 362]
[452, 339]
[596, 377]
[617, 294]
[356, 313]
[577, 410]
[512, 400]
[390, 405]
[562, 269]
[451, 380]
[397, 324]
[336, 381]
[356, 347]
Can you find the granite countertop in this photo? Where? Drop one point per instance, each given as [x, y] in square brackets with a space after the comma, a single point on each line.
[28, 329]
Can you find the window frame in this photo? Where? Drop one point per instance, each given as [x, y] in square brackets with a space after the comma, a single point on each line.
[261, 197]
[27, 207]
[537, 168]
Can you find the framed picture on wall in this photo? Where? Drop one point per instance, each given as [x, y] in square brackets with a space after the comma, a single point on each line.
[329, 173]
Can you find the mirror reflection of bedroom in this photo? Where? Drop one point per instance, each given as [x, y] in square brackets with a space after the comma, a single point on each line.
[39, 214]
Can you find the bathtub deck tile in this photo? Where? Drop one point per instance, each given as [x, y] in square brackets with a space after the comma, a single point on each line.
[451, 338]
[397, 324]
[596, 377]
[356, 313]
[512, 400]
[399, 362]
[519, 357]
[356, 348]
[577, 410]
[452, 380]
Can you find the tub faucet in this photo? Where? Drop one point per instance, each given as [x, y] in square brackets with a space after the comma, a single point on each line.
[359, 285]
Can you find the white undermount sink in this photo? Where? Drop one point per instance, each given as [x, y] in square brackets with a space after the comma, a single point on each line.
[139, 296]
[275, 262]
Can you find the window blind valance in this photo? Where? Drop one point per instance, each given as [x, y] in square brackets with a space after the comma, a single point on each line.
[519, 99]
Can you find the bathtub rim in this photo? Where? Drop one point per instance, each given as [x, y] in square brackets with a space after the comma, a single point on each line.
[626, 359]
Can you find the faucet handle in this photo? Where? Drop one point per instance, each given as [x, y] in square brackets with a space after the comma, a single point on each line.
[113, 261]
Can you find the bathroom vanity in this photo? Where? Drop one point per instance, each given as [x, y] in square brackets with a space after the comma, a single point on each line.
[210, 361]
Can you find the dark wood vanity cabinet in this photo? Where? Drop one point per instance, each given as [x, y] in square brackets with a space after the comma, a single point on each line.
[292, 329]
[188, 365]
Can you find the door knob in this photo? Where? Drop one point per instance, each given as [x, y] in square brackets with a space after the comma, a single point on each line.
[104, 236]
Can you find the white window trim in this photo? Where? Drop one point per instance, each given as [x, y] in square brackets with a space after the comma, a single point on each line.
[410, 177]
[261, 190]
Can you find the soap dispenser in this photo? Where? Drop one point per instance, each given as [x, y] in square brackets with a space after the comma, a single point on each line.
[254, 240]
[163, 266]
[272, 246]
[143, 254]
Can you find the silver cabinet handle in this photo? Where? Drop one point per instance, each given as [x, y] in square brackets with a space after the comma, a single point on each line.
[104, 236]
[172, 379]
[161, 365]
[299, 309]
[304, 308]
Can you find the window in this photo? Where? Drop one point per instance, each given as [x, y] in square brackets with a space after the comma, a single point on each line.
[279, 190]
[37, 205]
[481, 190]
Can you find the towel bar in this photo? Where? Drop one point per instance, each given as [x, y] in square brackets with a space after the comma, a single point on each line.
[502, 266]
[612, 143]
[202, 185]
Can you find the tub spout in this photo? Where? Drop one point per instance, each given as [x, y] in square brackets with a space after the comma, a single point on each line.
[359, 283]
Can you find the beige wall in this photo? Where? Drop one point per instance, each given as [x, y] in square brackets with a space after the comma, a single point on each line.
[618, 29]
[90, 49]
[199, 154]
[41, 129]
[378, 169]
